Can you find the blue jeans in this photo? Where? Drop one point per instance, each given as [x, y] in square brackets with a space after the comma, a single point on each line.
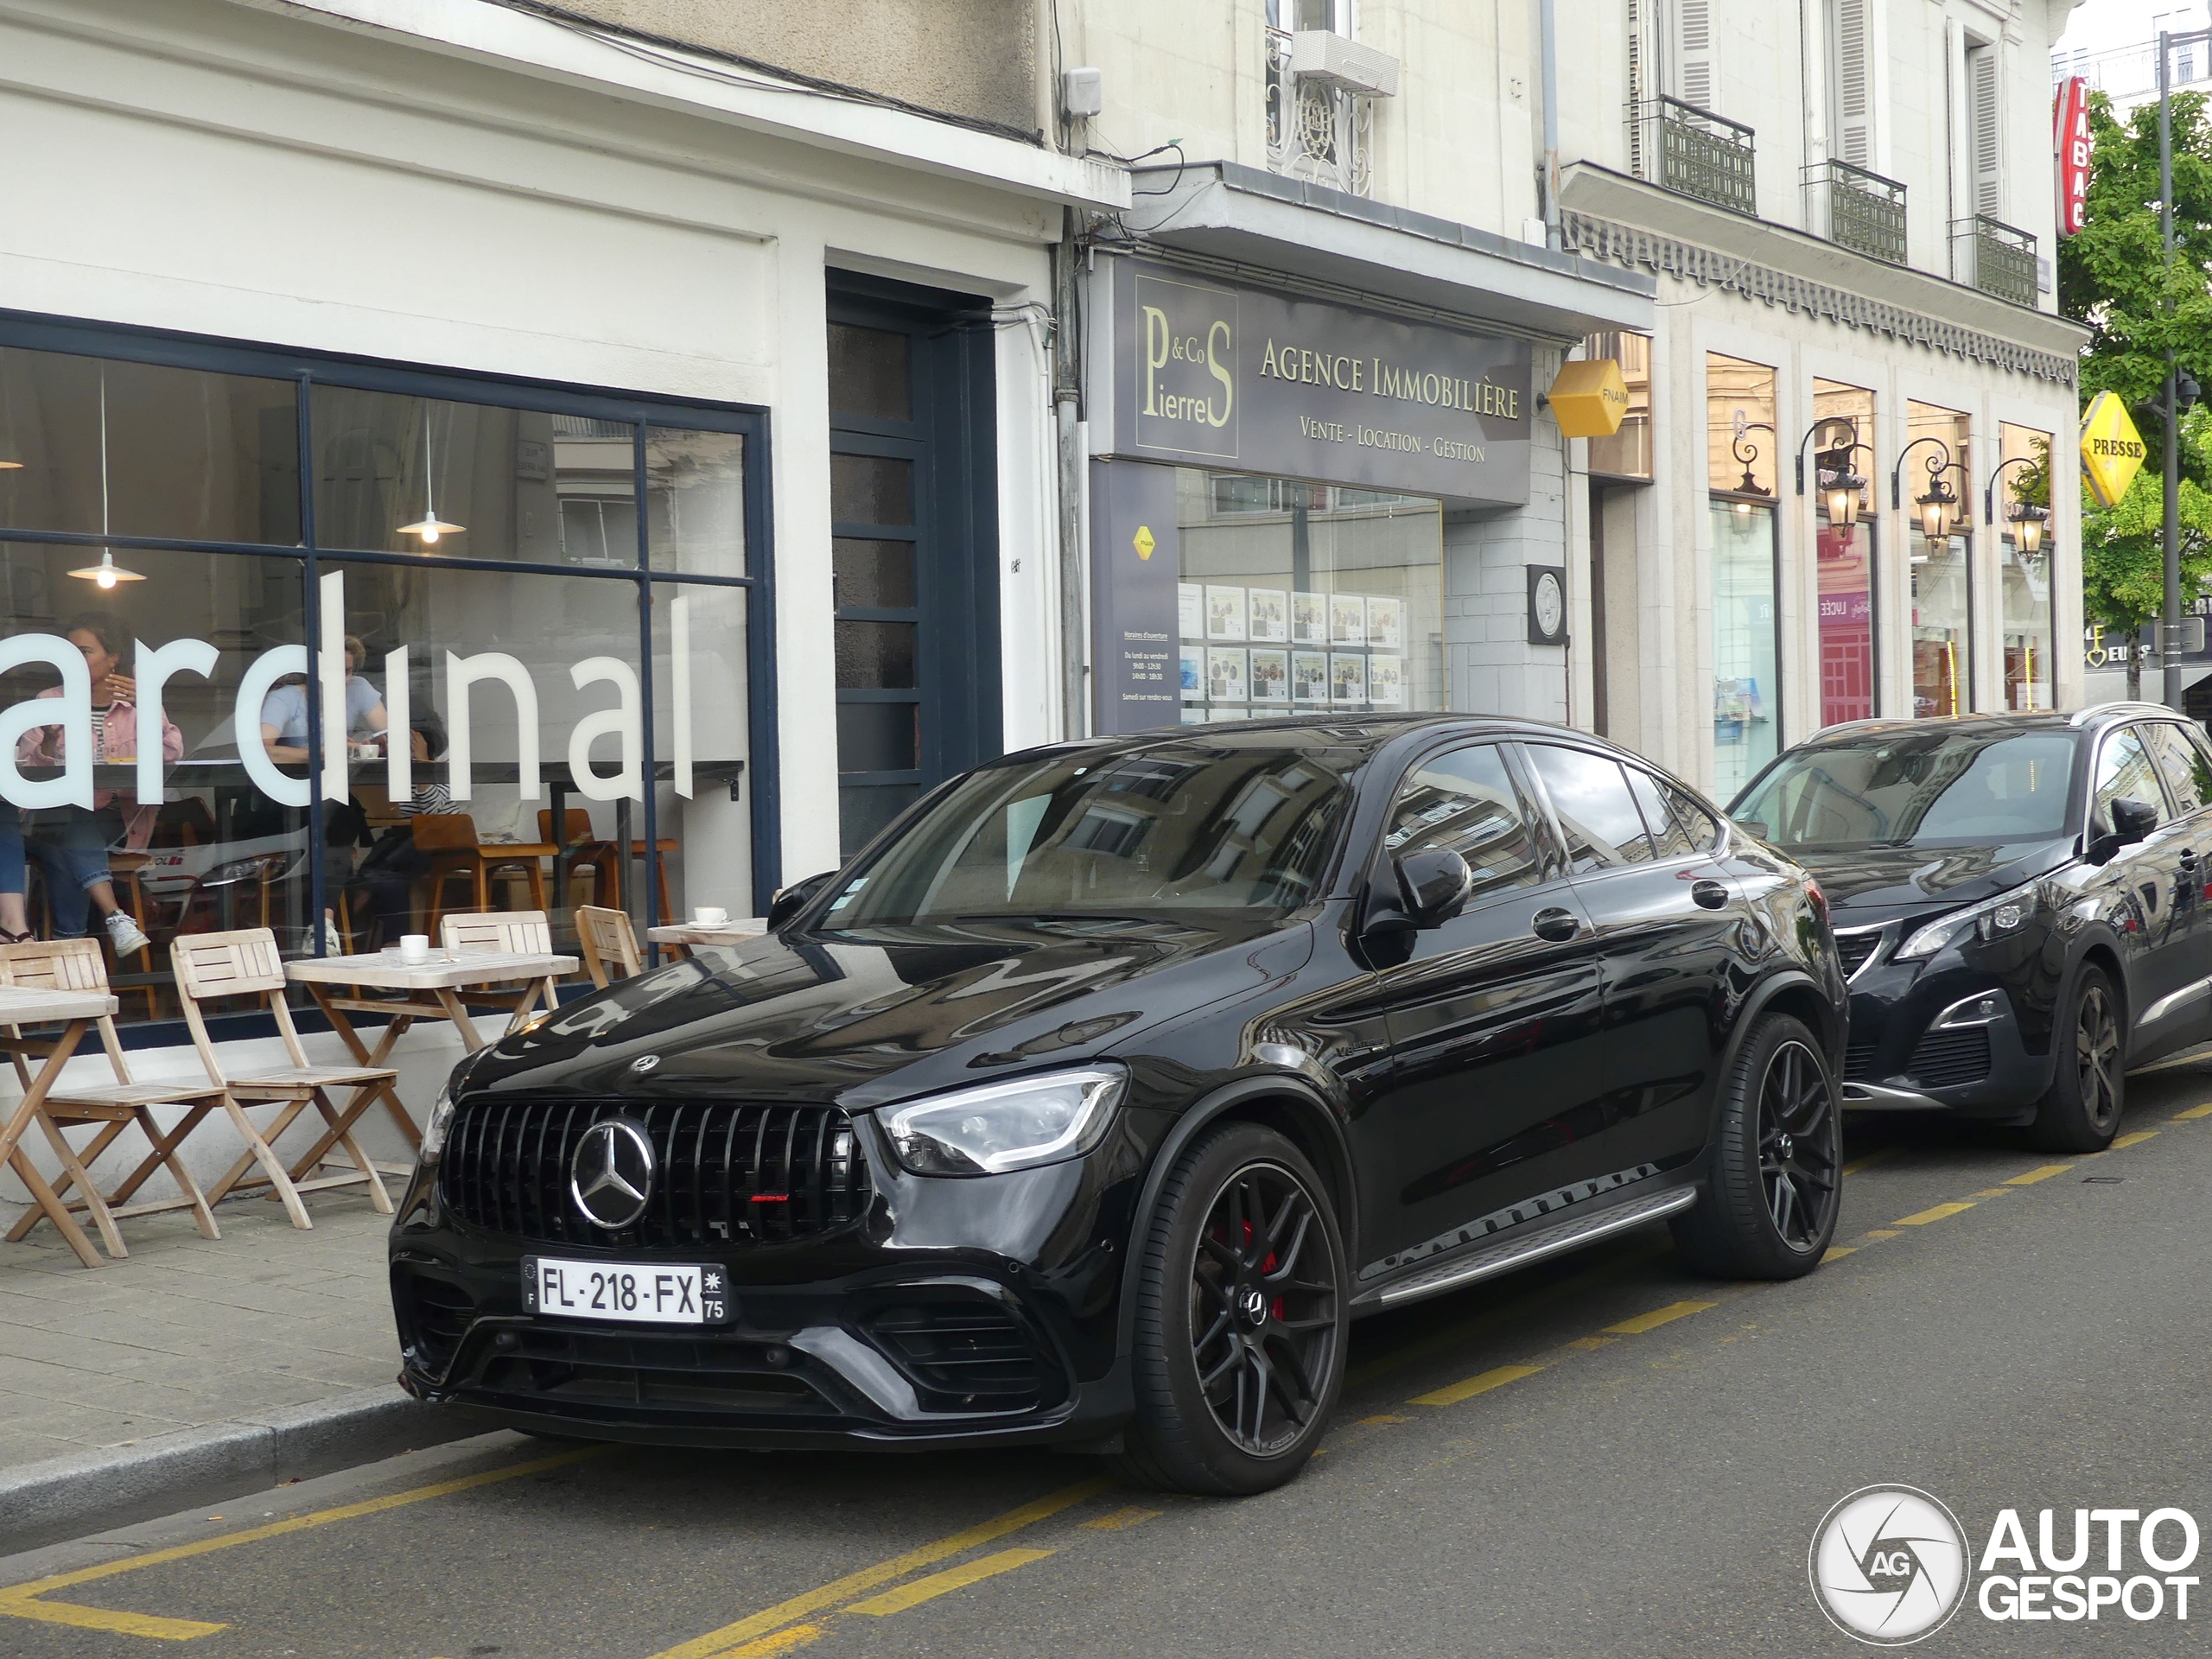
[11, 850]
[71, 847]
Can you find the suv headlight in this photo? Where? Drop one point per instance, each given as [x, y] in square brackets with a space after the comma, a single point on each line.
[1991, 919]
[1018, 1124]
[433, 1132]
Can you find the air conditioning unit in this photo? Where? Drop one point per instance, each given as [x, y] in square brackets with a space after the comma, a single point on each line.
[1343, 65]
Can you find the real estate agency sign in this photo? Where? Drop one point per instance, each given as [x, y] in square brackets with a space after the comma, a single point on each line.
[2071, 137]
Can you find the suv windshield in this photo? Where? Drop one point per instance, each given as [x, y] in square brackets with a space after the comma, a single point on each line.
[1202, 824]
[1913, 789]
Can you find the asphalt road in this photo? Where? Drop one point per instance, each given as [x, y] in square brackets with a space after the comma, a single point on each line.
[1607, 1457]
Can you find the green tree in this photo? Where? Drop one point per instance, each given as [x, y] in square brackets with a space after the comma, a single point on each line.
[2114, 276]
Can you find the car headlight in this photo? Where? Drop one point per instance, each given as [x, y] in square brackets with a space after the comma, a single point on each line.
[1005, 1126]
[1991, 919]
[433, 1132]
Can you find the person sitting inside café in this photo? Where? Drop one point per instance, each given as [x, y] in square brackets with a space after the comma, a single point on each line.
[284, 735]
[387, 876]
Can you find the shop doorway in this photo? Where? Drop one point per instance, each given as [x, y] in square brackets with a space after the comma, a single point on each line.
[914, 554]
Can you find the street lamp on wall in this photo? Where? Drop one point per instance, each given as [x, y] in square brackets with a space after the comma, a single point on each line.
[1939, 507]
[1839, 486]
[1747, 453]
[2026, 519]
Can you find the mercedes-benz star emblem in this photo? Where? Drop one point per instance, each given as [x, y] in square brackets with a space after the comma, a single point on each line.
[644, 1062]
[1255, 1306]
[611, 1177]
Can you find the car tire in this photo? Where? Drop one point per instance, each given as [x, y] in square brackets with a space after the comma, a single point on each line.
[2081, 1110]
[1773, 1177]
[1232, 1394]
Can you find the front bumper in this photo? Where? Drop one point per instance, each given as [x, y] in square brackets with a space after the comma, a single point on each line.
[953, 1313]
[1898, 1059]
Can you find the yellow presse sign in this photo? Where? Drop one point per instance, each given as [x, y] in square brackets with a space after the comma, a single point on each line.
[2111, 449]
[1590, 399]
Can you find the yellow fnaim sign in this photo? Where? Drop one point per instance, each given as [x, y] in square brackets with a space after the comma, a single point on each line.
[1589, 398]
[2111, 449]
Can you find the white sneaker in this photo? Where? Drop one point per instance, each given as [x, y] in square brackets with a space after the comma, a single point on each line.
[124, 935]
[334, 942]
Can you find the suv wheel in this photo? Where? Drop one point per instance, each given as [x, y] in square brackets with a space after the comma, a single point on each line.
[2079, 1112]
[1241, 1317]
[1772, 1176]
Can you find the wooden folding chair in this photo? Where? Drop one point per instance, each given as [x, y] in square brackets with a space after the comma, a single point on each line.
[608, 942]
[77, 965]
[247, 963]
[505, 932]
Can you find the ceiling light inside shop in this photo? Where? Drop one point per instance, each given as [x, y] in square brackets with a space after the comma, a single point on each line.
[429, 526]
[107, 572]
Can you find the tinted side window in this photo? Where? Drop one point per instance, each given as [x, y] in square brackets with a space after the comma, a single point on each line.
[2186, 770]
[1667, 832]
[1595, 809]
[1703, 829]
[2125, 772]
[1464, 802]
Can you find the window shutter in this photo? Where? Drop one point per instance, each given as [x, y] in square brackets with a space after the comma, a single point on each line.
[1639, 82]
[1982, 89]
[1693, 53]
[1854, 126]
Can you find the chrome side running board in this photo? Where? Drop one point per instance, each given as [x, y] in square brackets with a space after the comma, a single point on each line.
[1521, 1252]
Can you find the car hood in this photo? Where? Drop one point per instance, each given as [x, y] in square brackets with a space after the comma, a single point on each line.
[863, 1019]
[1868, 880]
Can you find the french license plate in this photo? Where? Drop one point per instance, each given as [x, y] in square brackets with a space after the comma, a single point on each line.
[657, 1293]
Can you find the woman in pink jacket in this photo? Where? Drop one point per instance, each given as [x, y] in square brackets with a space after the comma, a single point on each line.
[72, 843]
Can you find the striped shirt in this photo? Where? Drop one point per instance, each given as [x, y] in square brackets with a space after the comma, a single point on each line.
[427, 798]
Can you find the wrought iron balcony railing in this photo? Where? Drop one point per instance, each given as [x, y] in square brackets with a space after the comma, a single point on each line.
[1316, 131]
[1694, 152]
[1996, 257]
[1856, 209]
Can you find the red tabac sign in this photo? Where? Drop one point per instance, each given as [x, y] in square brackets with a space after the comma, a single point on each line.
[2070, 138]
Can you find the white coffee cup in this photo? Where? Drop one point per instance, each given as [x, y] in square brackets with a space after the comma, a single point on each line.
[414, 947]
[709, 915]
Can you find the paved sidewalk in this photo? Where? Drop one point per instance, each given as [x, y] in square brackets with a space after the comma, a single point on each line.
[186, 1332]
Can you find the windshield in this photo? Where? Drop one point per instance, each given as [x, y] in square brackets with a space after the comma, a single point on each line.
[1914, 789]
[1217, 823]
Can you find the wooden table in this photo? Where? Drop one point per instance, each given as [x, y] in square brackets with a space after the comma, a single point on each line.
[735, 931]
[74, 1010]
[431, 991]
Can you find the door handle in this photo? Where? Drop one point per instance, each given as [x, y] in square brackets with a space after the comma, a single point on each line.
[1556, 925]
[1709, 893]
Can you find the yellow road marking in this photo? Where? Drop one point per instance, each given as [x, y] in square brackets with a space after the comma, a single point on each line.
[1383, 1417]
[938, 1584]
[21, 1600]
[1591, 1344]
[1837, 1252]
[1881, 1232]
[1869, 1159]
[1993, 1192]
[715, 1644]
[1475, 1385]
[1121, 1519]
[797, 1636]
[2204, 1110]
[1937, 1213]
[2035, 1175]
[2134, 1140]
[1657, 1316]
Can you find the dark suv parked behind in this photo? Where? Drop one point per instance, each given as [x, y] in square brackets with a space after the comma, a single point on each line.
[1092, 1101]
[2019, 901]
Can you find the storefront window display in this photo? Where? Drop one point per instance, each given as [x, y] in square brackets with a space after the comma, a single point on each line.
[1844, 563]
[1306, 598]
[467, 590]
[2023, 572]
[1740, 455]
[1943, 585]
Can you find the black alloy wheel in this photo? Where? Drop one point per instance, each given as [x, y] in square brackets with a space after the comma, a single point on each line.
[1798, 1149]
[1773, 1176]
[1241, 1317]
[1263, 1309]
[2081, 1110]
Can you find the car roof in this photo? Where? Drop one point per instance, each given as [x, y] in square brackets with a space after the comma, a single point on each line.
[1366, 733]
[2094, 718]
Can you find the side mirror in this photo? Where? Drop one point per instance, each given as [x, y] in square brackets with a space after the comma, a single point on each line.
[789, 901]
[1433, 886]
[2132, 821]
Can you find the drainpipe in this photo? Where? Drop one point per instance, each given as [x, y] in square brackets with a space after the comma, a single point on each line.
[1067, 395]
[1549, 27]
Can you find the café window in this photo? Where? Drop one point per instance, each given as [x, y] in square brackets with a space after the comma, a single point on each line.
[527, 674]
[1939, 491]
[2022, 530]
[1299, 598]
[1843, 555]
[1740, 452]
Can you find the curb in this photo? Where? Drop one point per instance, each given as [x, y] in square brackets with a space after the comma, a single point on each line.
[88, 1492]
